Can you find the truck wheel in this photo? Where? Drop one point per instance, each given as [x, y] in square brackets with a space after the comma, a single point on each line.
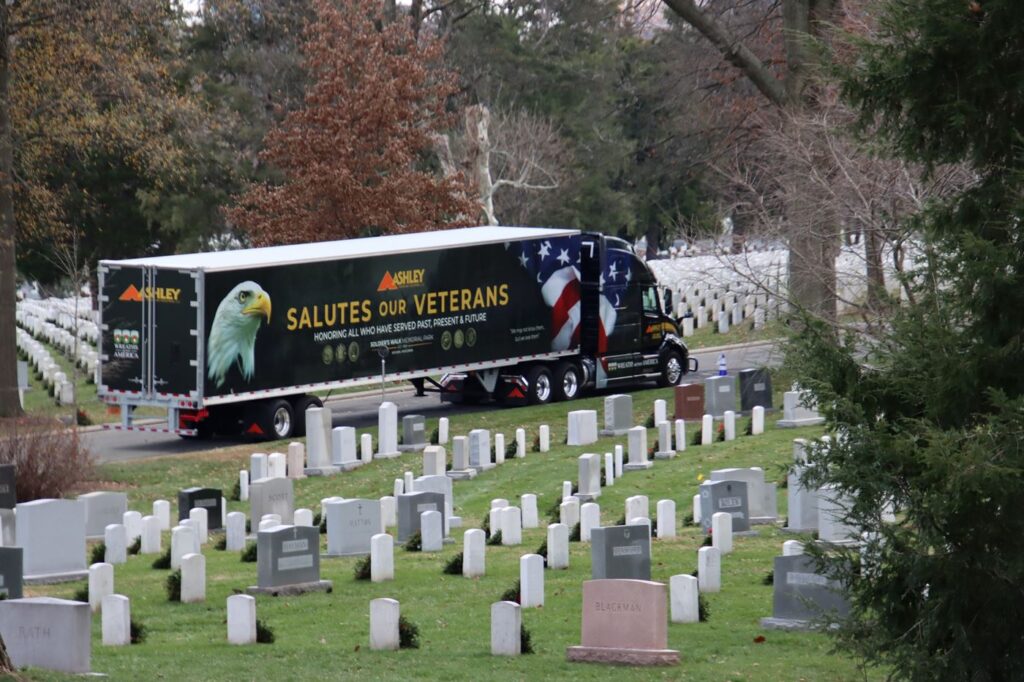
[671, 368]
[299, 407]
[567, 381]
[278, 420]
[539, 378]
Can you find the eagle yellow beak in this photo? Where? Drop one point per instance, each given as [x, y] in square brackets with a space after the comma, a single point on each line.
[259, 306]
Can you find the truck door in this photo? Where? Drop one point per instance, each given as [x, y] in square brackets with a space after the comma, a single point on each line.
[175, 334]
[653, 330]
[123, 322]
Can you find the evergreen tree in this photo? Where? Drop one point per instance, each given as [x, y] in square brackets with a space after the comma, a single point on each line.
[930, 421]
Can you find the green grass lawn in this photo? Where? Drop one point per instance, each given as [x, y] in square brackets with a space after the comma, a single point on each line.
[326, 635]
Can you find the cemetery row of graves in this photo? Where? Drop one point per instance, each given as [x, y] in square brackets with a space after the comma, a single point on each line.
[522, 541]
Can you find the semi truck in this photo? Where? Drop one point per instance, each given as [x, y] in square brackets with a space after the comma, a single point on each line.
[243, 341]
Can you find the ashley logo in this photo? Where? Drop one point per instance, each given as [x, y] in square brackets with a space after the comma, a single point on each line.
[159, 294]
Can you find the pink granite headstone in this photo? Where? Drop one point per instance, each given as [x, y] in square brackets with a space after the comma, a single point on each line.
[624, 622]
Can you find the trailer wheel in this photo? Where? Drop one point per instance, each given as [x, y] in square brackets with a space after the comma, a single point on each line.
[278, 420]
[567, 381]
[539, 378]
[299, 407]
[671, 366]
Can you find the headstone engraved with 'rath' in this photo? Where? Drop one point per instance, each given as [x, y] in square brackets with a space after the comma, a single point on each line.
[49, 633]
[351, 525]
[201, 498]
[288, 561]
[625, 622]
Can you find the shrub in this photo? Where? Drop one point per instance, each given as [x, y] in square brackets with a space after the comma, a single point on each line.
[50, 459]
[454, 565]
[749, 430]
[495, 539]
[81, 594]
[536, 444]
[720, 437]
[221, 543]
[510, 449]
[555, 512]
[236, 492]
[696, 440]
[264, 633]
[361, 570]
[650, 421]
[525, 641]
[414, 543]
[703, 610]
[435, 436]
[543, 550]
[99, 553]
[135, 547]
[574, 534]
[249, 553]
[408, 634]
[164, 560]
[82, 418]
[511, 594]
[688, 520]
[768, 579]
[707, 541]
[138, 632]
[621, 521]
[485, 525]
[174, 586]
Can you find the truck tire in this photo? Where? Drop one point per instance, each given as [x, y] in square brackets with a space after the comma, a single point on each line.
[568, 381]
[299, 407]
[672, 368]
[277, 419]
[540, 389]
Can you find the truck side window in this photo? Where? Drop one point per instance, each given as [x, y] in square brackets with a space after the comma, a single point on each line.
[650, 300]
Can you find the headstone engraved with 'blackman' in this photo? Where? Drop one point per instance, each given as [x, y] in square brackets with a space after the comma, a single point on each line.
[625, 622]
[201, 498]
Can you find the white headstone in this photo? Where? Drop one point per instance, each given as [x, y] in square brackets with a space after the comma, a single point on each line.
[200, 523]
[666, 519]
[442, 431]
[696, 509]
[193, 578]
[757, 420]
[664, 450]
[243, 485]
[506, 628]
[115, 538]
[399, 487]
[638, 450]
[132, 521]
[660, 411]
[388, 511]
[258, 467]
[528, 503]
[408, 482]
[589, 475]
[183, 541]
[387, 430]
[721, 532]
[366, 448]
[235, 538]
[499, 448]
[531, 580]
[582, 427]
[707, 430]
[101, 584]
[384, 616]
[162, 511]
[241, 619]
[303, 517]
[680, 435]
[566, 489]
[432, 531]
[590, 518]
[277, 465]
[434, 460]
[558, 546]
[638, 506]
[544, 436]
[343, 448]
[618, 461]
[318, 441]
[569, 512]
[382, 558]
[609, 469]
[520, 443]
[792, 548]
[684, 599]
[117, 620]
[709, 569]
[730, 425]
[511, 526]
[150, 535]
[474, 542]
[296, 464]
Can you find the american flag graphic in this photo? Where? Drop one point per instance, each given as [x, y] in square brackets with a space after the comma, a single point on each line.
[554, 263]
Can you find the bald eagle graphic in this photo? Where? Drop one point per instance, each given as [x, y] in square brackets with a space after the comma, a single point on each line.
[233, 333]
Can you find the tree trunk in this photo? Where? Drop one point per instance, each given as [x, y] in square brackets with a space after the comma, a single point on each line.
[10, 405]
[478, 158]
[875, 271]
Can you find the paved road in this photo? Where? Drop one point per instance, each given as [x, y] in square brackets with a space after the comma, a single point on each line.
[360, 410]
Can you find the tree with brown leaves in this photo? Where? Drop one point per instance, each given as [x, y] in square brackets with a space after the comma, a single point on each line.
[355, 157]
